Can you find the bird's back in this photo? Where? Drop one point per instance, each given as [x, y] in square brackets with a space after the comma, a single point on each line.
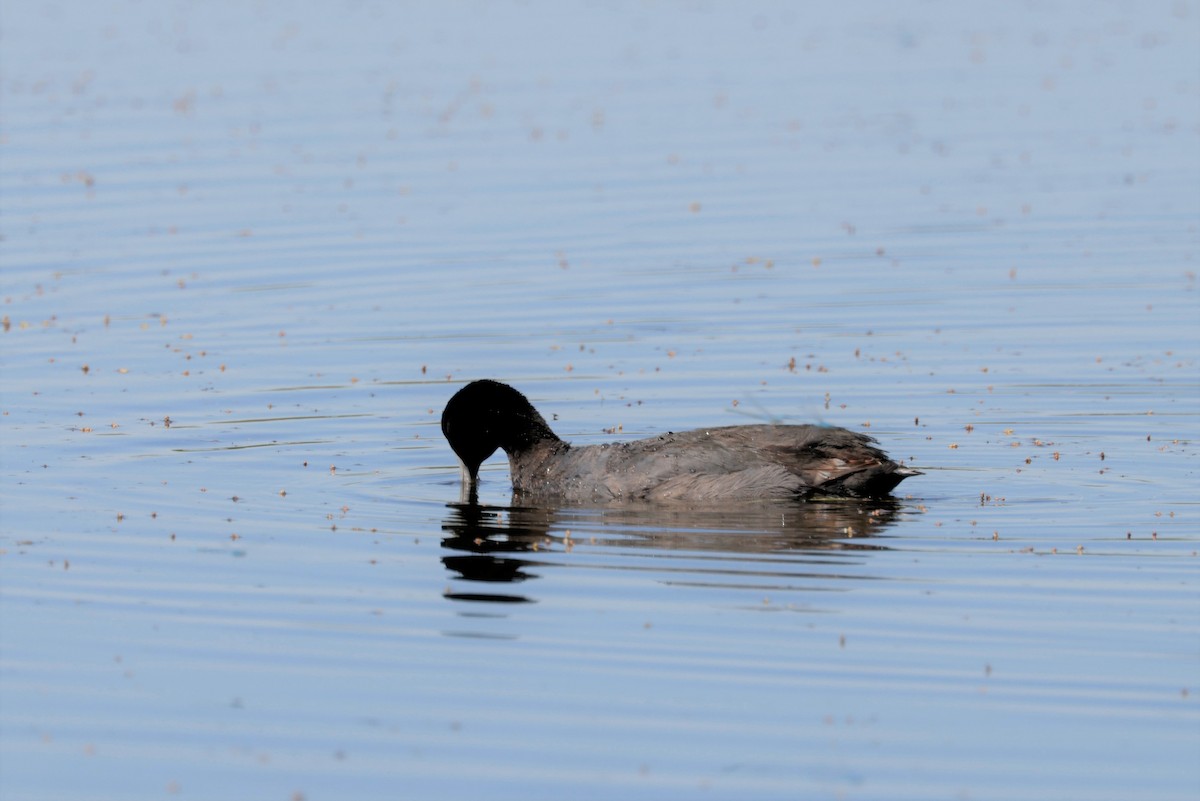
[733, 462]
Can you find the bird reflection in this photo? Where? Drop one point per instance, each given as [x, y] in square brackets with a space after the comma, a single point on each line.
[506, 545]
[482, 532]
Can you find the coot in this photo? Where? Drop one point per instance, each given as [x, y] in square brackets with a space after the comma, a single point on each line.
[708, 464]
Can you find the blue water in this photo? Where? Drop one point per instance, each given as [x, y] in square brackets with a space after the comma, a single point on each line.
[248, 253]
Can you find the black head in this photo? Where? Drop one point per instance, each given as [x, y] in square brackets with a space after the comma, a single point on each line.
[486, 415]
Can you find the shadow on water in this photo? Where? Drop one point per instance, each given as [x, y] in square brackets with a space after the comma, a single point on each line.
[500, 545]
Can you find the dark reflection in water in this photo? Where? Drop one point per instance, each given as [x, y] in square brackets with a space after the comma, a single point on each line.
[502, 545]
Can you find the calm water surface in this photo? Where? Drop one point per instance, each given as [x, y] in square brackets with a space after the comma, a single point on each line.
[249, 252]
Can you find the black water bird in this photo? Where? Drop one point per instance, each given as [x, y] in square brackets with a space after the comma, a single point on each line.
[707, 464]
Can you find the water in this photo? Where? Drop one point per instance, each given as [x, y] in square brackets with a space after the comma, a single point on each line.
[248, 253]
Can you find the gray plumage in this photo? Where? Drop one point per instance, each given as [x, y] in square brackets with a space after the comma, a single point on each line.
[730, 462]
